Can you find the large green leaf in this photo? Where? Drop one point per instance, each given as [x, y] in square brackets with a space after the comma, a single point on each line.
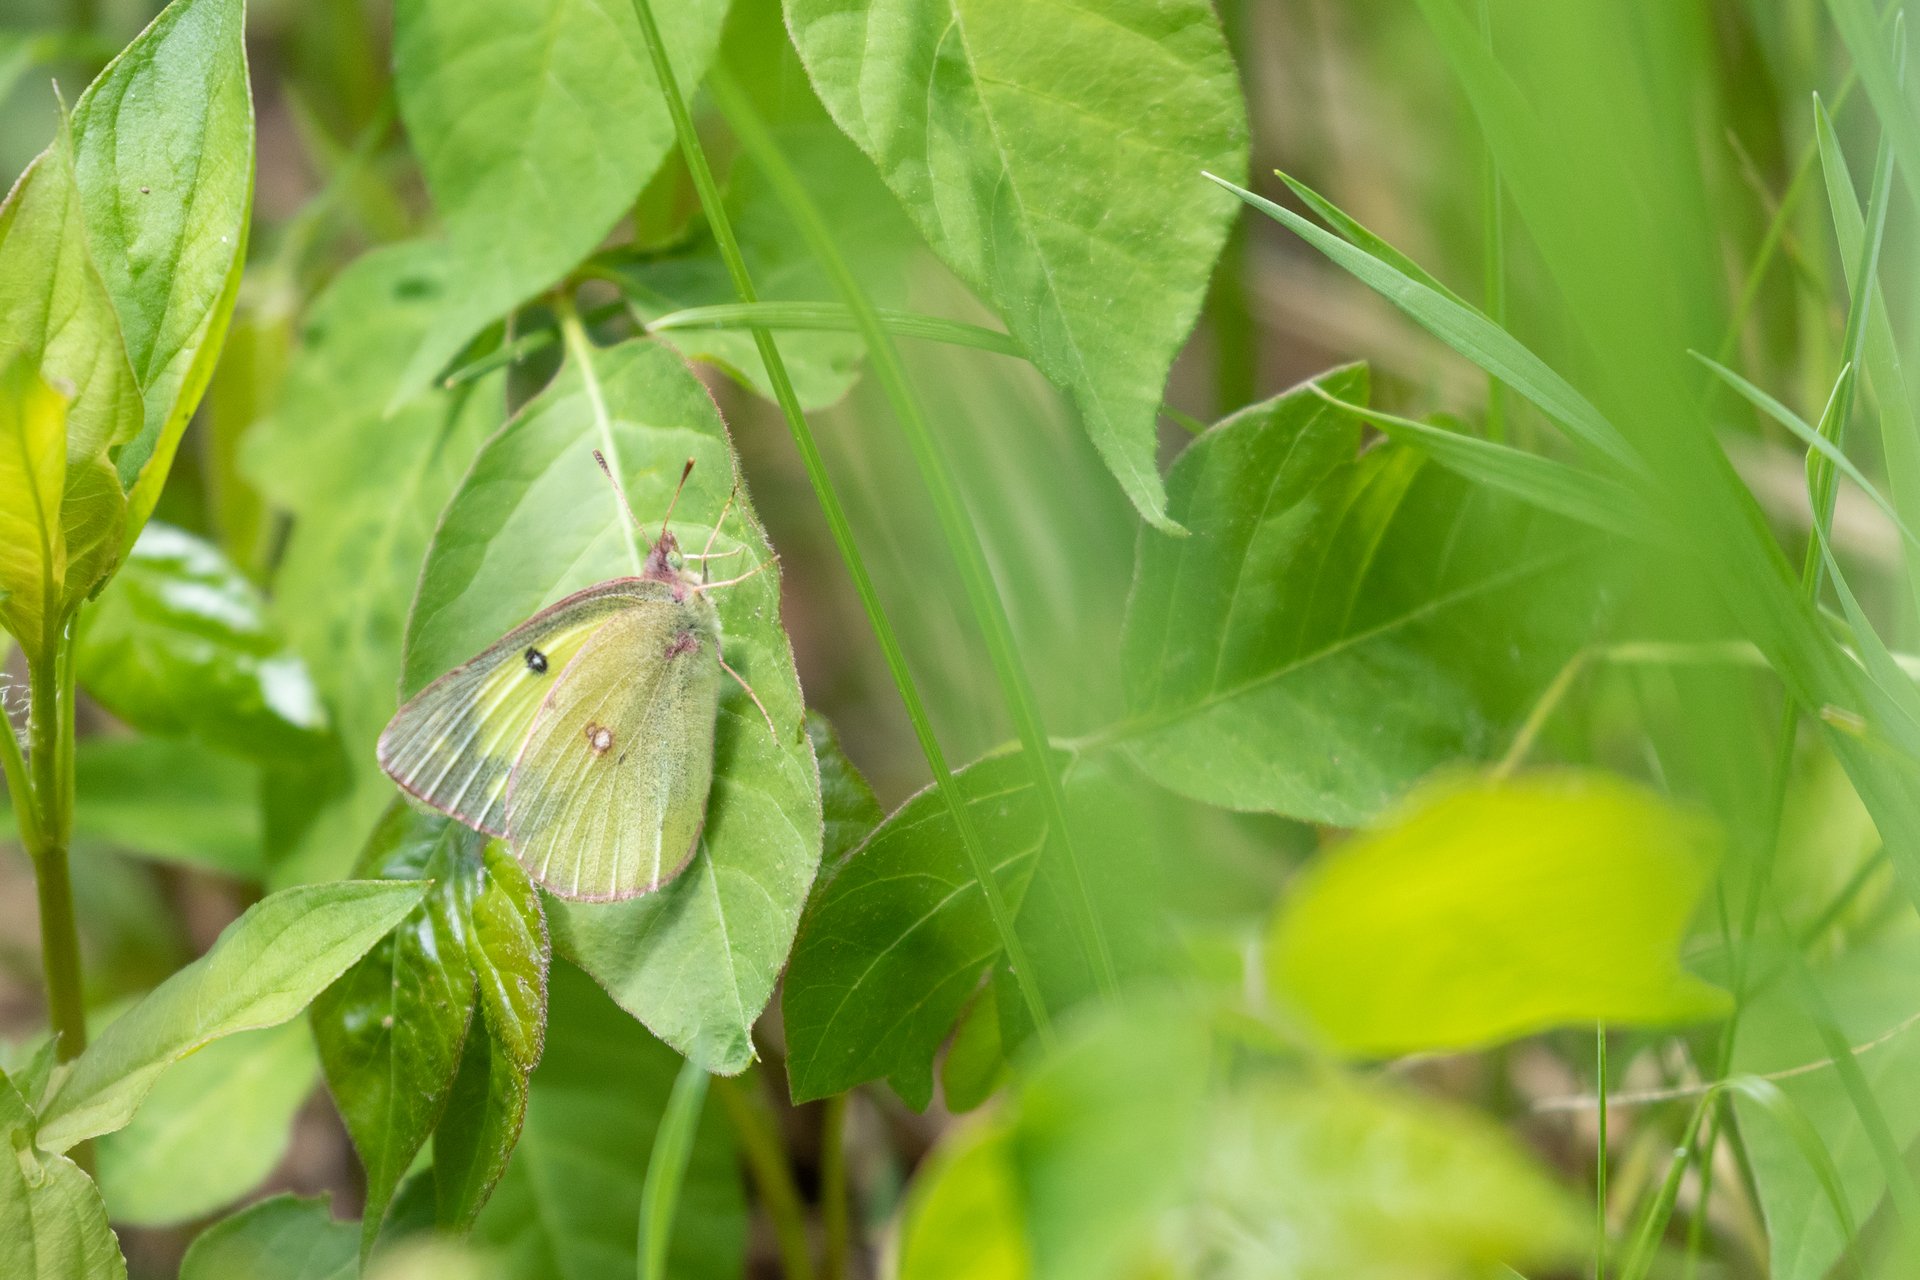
[898, 935]
[391, 1029]
[285, 1238]
[1002, 126]
[180, 645]
[535, 520]
[216, 1124]
[52, 1223]
[366, 489]
[1872, 995]
[1486, 910]
[263, 970]
[1340, 623]
[537, 122]
[569, 1205]
[163, 156]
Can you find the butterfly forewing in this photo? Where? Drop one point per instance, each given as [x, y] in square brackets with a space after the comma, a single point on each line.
[455, 742]
[609, 795]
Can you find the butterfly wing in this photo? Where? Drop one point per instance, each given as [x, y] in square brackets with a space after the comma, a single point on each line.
[608, 798]
[455, 742]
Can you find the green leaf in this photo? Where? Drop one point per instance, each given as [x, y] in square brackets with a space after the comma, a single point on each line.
[485, 1109]
[822, 363]
[535, 520]
[975, 1065]
[897, 936]
[1335, 1180]
[33, 479]
[507, 949]
[284, 1238]
[537, 122]
[1487, 910]
[848, 810]
[570, 1201]
[55, 310]
[163, 157]
[366, 489]
[391, 1029]
[1871, 992]
[53, 1225]
[1001, 127]
[667, 1169]
[176, 801]
[263, 970]
[1343, 623]
[180, 645]
[215, 1126]
[963, 1221]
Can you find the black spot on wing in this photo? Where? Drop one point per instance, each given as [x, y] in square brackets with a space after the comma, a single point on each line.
[536, 662]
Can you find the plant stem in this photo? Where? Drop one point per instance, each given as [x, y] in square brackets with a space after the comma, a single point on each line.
[834, 1188]
[983, 597]
[667, 1169]
[837, 522]
[50, 787]
[1493, 252]
[767, 1162]
[1600, 1159]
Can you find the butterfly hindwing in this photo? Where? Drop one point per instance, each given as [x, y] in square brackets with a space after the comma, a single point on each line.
[608, 797]
[454, 744]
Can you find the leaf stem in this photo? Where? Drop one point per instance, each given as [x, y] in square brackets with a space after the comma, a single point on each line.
[767, 1162]
[837, 522]
[989, 611]
[667, 1169]
[50, 762]
[834, 1190]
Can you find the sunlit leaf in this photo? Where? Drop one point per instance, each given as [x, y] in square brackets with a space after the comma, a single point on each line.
[33, 478]
[53, 1225]
[263, 970]
[1002, 126]
[535, 520]
[163, 158]
[1485, 910]
[537, 122]
[180, 645]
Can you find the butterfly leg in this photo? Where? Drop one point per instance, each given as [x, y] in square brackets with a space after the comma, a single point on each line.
[763, 567]
[751, 694]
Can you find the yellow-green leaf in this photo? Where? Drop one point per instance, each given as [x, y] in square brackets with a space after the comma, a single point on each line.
[33, 466]
[1486, 910]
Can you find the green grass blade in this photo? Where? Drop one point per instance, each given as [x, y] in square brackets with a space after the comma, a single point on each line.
[1541, 482]
[1793, 1122]
[1878, 67]
[1466, 331]
[830, 506]
[837, 318]
[667, 1169]
[1351, 230]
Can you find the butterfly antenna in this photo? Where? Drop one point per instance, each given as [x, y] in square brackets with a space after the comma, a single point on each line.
[618, 488]
[715, 531]
[764, 565]
[751, 694]
[674, 501]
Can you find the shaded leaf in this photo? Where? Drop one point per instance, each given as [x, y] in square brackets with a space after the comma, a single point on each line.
[391, 1029]
[898, 936]
[216, 1124]
[163, 158]
[284, 1238]
[536, 123]
[485, 1109]
[1000, 126]
[175, 801]
[1341, 623]
[848, 810]
[535, 520]
[180, 645]
[263, 970]
[53, 1225]
[570, 1201]
[1486, 910]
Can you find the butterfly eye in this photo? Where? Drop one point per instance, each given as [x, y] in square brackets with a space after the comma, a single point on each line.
[536, 662]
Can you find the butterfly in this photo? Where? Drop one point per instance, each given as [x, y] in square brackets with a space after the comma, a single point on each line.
[584, 736]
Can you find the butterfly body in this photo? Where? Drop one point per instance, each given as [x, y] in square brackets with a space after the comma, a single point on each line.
[584, 736]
